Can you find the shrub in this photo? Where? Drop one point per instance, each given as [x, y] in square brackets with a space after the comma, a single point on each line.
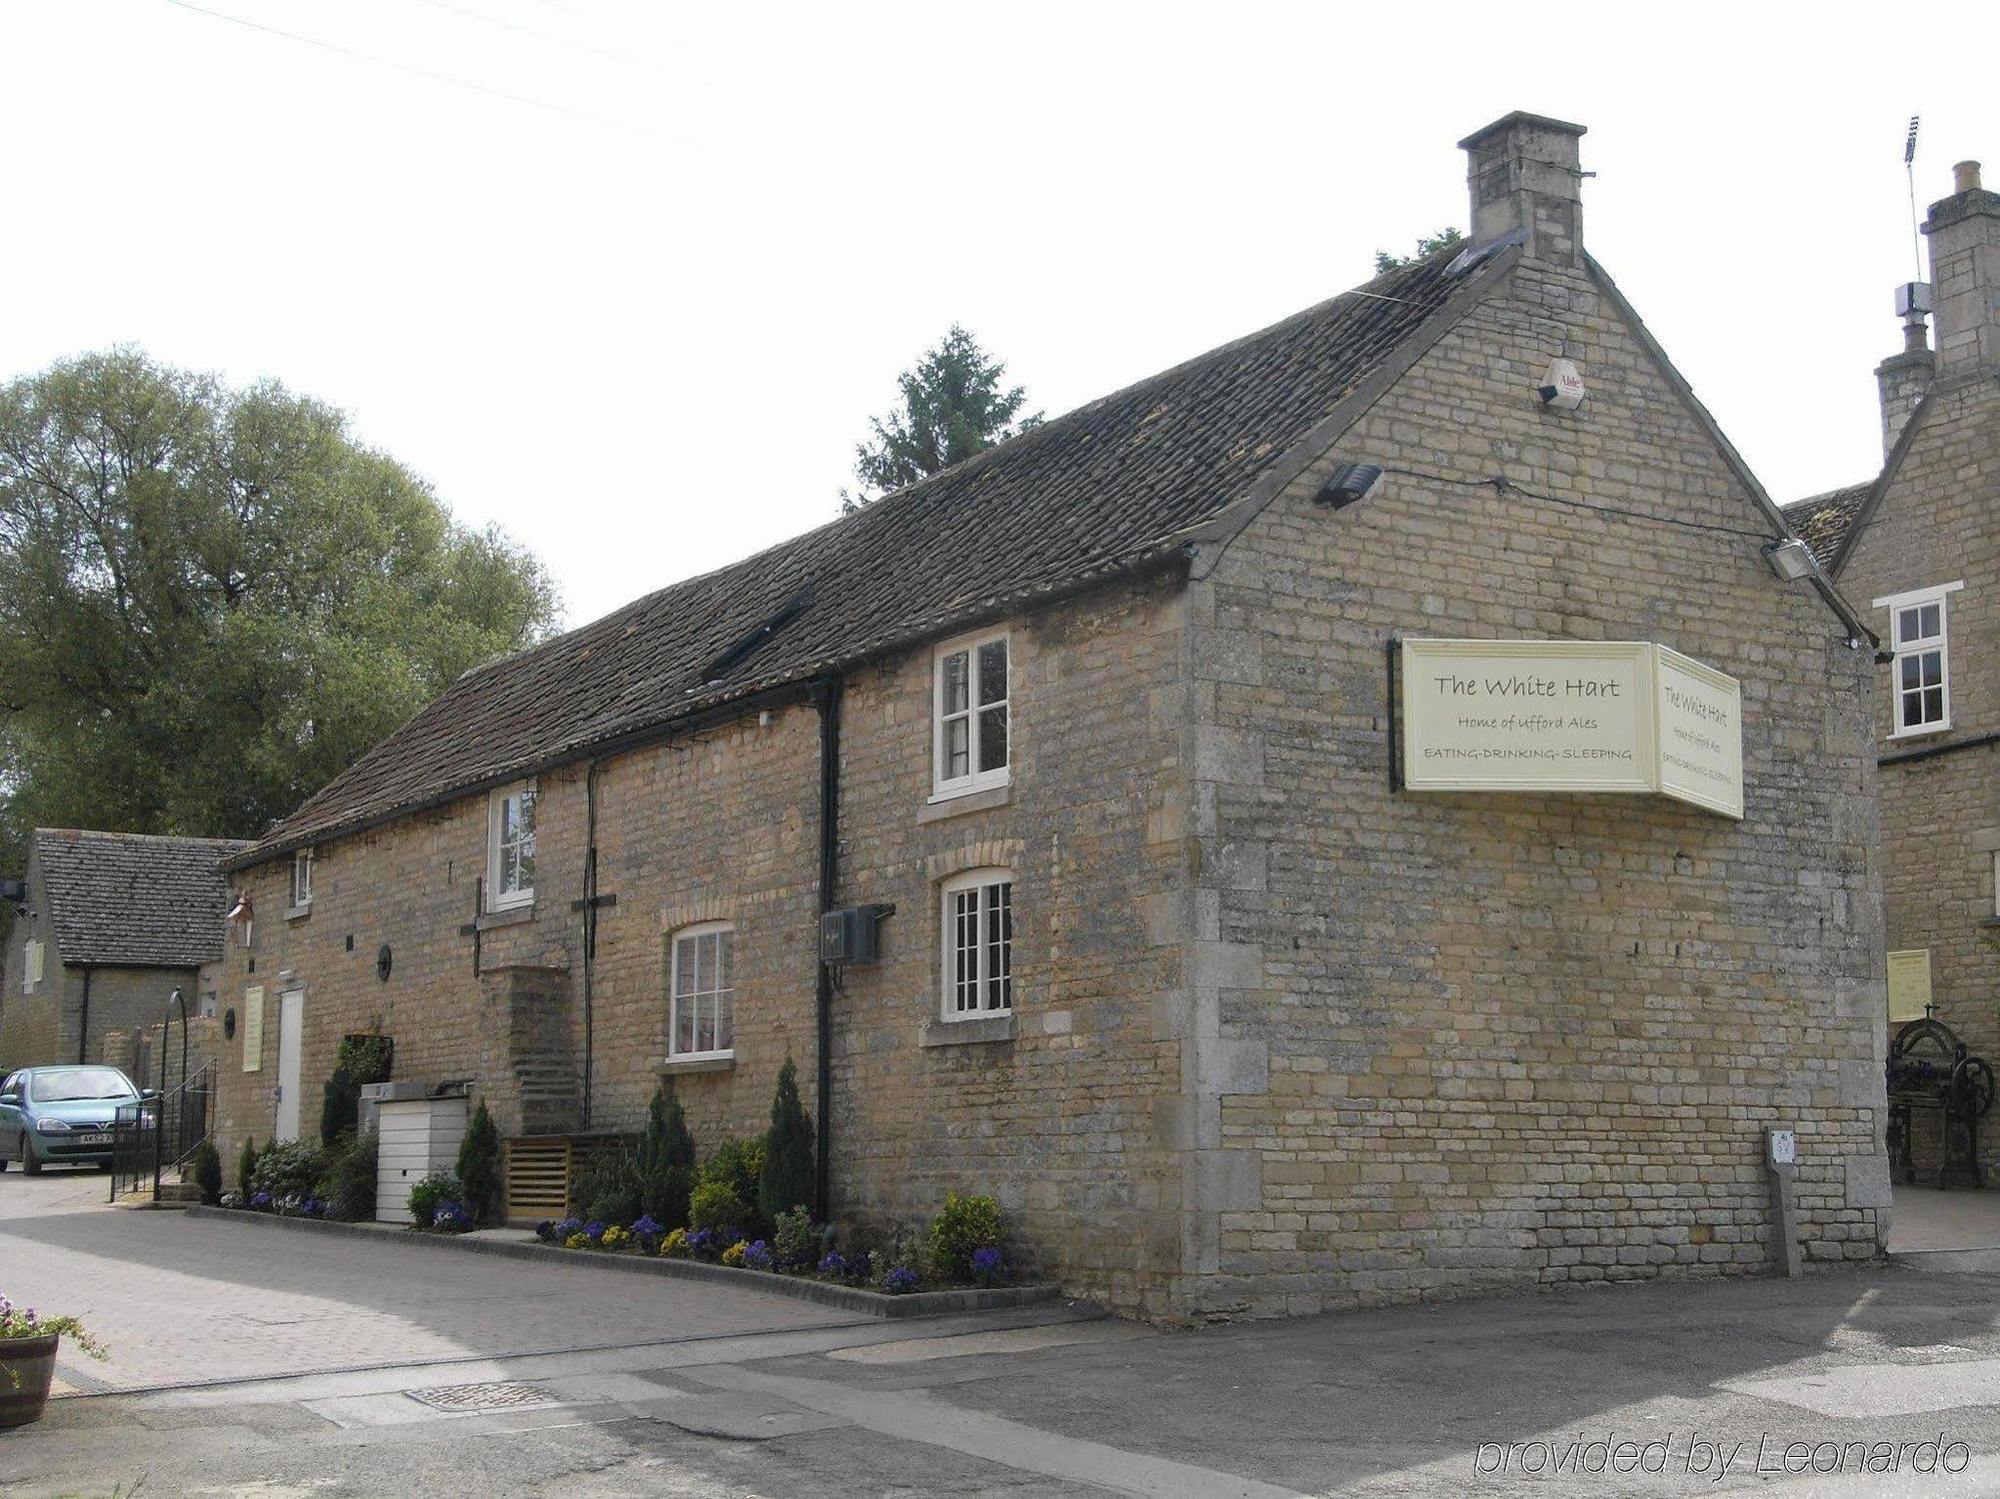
[910, 1248]
[786, 1181]
[479, 1167]
[609, 1187]
[900, 1281]
[430, 1194]
[232, 1198]
[794, 1239]
[666, 1161]
[361, 1059]
[348, 1182]
[716, 1206]
[965, 1226]
[739, 1166]
[206, 1172]
[734, 1254]
[246, 1167]
[675, 1245]
[289, 1168]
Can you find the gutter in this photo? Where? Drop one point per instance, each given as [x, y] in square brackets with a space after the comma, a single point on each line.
[826, 701]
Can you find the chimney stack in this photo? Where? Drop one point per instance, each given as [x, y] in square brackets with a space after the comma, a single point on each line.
[1525, 176]
[1903, 378]
[1964, 232]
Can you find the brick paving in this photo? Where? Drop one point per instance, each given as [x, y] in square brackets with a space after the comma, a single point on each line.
[183, 1301]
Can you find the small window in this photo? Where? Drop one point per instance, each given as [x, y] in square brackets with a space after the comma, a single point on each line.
[302, 879]
[978, 944]
[701, 1010]
[510, 860]
[31, 960]
[1920, 670]
[970, 716]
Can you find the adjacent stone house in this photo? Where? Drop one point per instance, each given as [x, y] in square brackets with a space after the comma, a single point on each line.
[1094, 735]
[1919, 546]
[107, 927]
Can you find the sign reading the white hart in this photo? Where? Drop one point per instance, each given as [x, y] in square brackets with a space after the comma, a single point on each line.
[1570, 715]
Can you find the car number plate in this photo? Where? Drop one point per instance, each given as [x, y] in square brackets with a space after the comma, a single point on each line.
[99, 1139]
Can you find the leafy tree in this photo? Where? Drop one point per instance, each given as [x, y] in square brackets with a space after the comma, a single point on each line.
[666, 1161]
[479, 1167]
[1429, 244]
[786, 1182]
[246, 1166]
[953, 405]
[360, 1060]
[212, 599]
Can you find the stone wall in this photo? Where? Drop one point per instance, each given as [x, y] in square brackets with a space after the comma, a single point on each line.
[1473, 1041]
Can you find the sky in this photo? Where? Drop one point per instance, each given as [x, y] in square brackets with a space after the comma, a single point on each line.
[629, 279]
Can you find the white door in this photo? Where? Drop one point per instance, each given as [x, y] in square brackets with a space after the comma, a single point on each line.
[291, 1035]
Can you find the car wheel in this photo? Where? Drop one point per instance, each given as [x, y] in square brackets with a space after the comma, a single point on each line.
[29, 1163]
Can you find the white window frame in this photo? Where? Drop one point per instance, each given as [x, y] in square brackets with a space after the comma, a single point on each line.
[498, 899]
[691, 934]
[982, 951]
[944, 787]
[302, 879]
[1896, 603]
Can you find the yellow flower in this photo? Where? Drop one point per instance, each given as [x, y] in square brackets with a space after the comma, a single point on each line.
[577, 1241]
[733, 1255]
[675, 1244]
[615, 1236]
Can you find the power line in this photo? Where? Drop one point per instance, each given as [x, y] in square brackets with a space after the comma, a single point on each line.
[421, 72]
[1500, 484]
[538, 34]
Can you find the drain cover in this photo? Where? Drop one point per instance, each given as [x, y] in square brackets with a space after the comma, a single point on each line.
[506, 1395]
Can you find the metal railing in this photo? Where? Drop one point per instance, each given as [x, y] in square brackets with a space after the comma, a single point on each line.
[156, 1135]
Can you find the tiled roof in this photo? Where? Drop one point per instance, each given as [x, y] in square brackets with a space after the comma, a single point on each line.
[1822, 521]
[132, 900]
[1102, 489]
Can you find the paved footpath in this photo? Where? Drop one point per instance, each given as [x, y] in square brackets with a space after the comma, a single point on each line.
[1709, 1383]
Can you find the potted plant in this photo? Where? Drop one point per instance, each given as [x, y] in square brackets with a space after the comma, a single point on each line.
[28, 1359]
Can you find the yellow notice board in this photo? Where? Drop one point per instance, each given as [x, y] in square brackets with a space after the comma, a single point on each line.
[1571, 715]
[253, 1028]
[1909, 983]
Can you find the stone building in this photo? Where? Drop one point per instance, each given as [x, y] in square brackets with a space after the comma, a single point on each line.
[1919, 546]
[108, 926]
[1093, 734]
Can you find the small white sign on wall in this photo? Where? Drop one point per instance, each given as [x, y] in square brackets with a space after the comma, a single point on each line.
[253, 1028]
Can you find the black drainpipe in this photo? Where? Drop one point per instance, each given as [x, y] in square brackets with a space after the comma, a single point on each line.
[83, 1028]
[589, 928]
[826, 699]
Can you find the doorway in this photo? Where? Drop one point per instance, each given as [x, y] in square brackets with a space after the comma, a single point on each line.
[291, 1037]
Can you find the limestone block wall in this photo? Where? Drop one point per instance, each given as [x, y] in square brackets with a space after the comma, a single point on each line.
[1472, 1041]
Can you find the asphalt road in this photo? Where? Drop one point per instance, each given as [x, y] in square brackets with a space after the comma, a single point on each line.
[1711, 1384]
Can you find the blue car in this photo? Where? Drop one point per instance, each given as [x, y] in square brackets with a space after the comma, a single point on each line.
[62, 1114]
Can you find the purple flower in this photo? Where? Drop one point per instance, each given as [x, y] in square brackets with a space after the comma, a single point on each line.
[986, 1265]
[593, 1230]
[757, 1256]
[261, 1200]
[900, 1280]
[647, 1228]
[833, 1262]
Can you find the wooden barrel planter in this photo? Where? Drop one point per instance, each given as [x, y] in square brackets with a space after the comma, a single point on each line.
[26, 1367]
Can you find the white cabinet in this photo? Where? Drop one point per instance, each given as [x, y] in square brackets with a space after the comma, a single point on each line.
[417, 1136]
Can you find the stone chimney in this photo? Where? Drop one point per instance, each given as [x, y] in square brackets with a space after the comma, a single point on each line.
[1524, 174]
[1964, 232]
[1903, 378]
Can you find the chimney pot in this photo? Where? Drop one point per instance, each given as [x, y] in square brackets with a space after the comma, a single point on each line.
[1525, 179]
[1965, 177]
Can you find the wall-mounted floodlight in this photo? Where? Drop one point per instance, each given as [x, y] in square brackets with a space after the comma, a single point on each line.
[1790, 559]
[1349, 483]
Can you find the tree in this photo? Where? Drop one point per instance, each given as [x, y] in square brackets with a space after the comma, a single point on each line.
[786, 1181]
[953, 405]
[666, 1161]
[213, 599]
[1430, 244]
[479, 1167]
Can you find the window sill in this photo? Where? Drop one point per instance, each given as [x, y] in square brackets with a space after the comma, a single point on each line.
[299, 913]
[987, 1028]
[507, 916]
[1928, 731]
[958, 803]
[676, 1066]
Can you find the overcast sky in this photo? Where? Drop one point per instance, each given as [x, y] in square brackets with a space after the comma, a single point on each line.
[629, 279]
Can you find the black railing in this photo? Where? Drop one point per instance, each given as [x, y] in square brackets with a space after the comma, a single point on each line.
[156, 1135]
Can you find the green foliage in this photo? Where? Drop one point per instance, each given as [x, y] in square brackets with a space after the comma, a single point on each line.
[739, 1166]
[608, 1191]
[666, 1161]
[716, 1205]
[432, 1193]
[479, 1167]
[1429, 244]
[246, 1166]
[205, 1171]
[213, 599]
[288, 1168]
[953, 405]
[795, 1240]
[347, 1184]
[786, 1181]
[964, 1225]
[360, 1060]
